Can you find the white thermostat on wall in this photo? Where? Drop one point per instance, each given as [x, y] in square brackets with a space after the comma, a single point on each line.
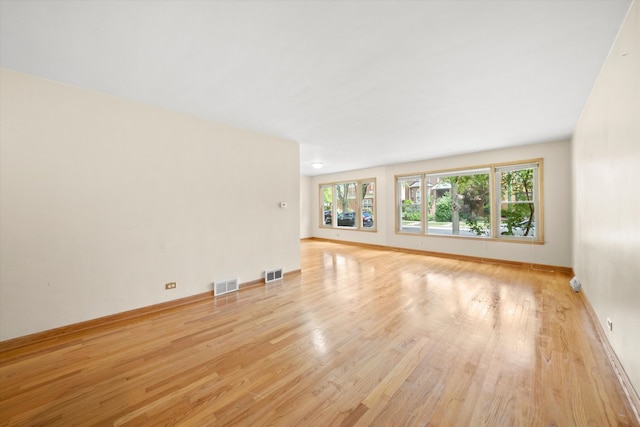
[283, 204]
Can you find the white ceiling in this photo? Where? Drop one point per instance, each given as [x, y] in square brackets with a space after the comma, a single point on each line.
[356, 83]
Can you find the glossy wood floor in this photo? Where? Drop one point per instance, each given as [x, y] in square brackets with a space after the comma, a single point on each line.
[361, 337]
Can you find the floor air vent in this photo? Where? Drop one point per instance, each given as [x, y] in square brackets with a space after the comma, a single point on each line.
[272, 275]
[224, 287]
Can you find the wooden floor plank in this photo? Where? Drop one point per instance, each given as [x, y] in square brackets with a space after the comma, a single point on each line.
[361, 337]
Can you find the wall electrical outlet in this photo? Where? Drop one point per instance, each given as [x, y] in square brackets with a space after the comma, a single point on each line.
[171, 285]
[610, 324]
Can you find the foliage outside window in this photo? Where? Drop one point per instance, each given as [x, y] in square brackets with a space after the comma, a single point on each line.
[497, 201]
[326, 194]
[517, 189]
[409, 190]
[459, 203]
[348, 204]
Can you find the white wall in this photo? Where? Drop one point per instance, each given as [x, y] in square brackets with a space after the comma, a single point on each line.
[556, 250]
[606, 155]
[103, 201]
[305, 204]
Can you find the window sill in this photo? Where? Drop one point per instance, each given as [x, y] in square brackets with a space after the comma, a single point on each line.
[365, 229]
[490, 239]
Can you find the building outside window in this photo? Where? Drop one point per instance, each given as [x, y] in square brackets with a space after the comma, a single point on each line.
[408, 190]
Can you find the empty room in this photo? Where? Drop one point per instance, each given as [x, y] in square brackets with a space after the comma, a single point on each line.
[319, 213]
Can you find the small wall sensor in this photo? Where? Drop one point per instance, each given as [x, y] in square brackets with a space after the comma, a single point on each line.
[283, 204]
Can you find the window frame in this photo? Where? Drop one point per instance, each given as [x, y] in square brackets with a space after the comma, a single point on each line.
[536, 199]
[399, 203]
[359, 199]
[494, 200]
[484, 170]
[322, 216]
[363, 197]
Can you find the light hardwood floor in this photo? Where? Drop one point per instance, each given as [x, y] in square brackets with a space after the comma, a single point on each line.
[361, 337]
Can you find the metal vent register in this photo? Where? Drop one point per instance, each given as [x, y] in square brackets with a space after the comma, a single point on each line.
[225, 286]
[272, 275]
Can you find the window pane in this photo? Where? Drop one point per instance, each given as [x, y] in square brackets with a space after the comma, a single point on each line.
[518, 198]
[368, 194]
[459, 204]
[517, 186]
[326, 192]
[346, 204]
[410, 204]
[517, 219]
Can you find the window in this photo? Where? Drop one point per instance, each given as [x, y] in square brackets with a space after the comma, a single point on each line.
[368, 196]
[349, 204]
[459, 203]
[346, 204]
[518, 200]
[326, 194]
[496, 201]
[409, 203]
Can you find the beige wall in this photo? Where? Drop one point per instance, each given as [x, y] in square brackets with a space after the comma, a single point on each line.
[305, 202]
[103, 201]
[606, 156]
[557, 207]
